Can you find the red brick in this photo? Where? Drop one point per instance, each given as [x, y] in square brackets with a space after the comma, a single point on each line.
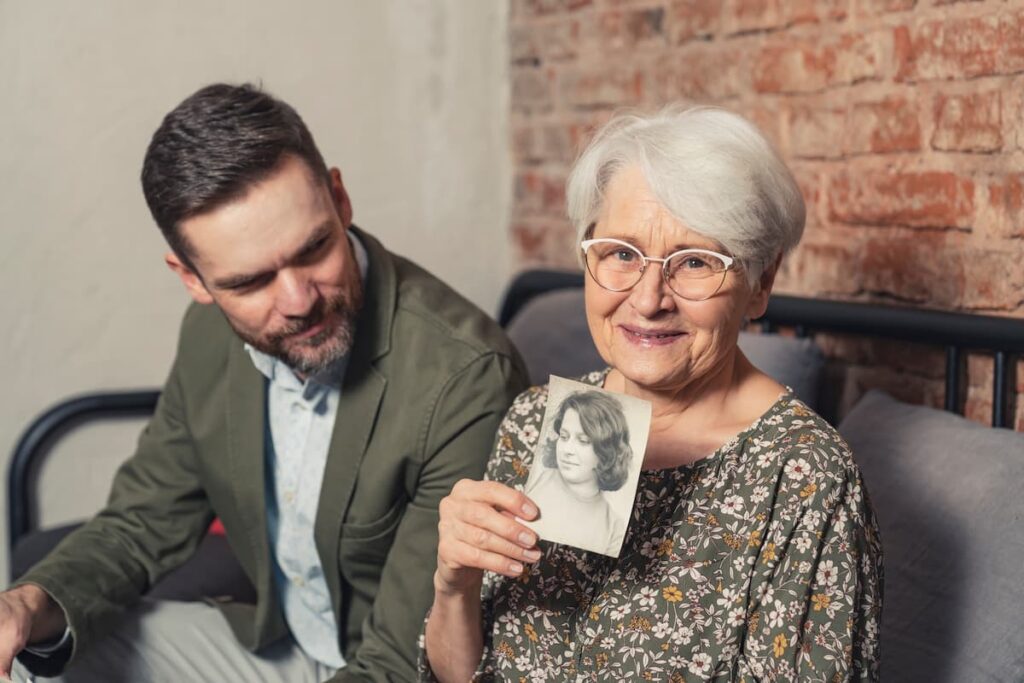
[545, 243]
[788, 67]
[872, 8]
[596, 84]
[918, 199]
[810, 181]
[703, 73]
[538, 191]
[625, 29]
[543, 7]
[821, 270]
[523, 47]
[815, 132]
[954, 48]
[968, 123]
[993, 277]
[743, 16]
[888, 125]
[1002, 216]
[1013, 113]
[560, 39]
[1010, 57]
[689, 19]
[919, 268]
[813, 11]
[531, 90]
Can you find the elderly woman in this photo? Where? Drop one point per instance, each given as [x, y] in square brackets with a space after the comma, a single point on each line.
[752, 552]
[587, 454]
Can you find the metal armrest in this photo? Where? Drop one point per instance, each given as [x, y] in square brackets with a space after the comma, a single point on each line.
[39, 437]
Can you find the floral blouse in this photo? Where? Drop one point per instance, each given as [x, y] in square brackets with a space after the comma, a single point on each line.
[761, 562]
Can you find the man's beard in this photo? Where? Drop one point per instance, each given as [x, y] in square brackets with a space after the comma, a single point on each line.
[314, 354]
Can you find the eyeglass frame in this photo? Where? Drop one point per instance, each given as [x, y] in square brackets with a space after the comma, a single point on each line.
[729, 262]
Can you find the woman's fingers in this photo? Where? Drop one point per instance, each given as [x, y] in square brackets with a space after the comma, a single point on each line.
[455, 555]
[497, 495]
[493, 531]
[478, 529]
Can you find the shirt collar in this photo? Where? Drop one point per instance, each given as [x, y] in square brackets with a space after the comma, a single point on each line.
[274, 369]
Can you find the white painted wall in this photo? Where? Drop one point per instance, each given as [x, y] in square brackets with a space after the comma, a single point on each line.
[407, 97]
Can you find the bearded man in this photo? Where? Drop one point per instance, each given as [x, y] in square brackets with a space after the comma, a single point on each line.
[325, 396]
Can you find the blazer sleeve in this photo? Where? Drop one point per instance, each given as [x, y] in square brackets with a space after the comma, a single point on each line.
[154, 519]
[457, 440]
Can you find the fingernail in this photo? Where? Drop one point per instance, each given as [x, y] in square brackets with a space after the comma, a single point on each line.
[529, 510]
[532, 555]
[526, 539]
[515, 567]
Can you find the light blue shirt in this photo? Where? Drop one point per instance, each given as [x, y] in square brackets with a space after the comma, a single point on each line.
[300, 421]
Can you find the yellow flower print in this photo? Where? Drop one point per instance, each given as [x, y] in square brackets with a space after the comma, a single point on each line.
[821, 601]
[530, 633]
[594, 611]
[755, 538]
[505, 650]
[672, 594]
[638, 623]
[519, 468]
[779, 645]
[769, 553]
[808, 490]
[664, 548]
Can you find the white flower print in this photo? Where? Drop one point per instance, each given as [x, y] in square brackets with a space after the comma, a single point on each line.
[803, 543]
[700, 664]
[797, 469]
[647, 597]
[827, 572]
[732, 504]
[758, 495]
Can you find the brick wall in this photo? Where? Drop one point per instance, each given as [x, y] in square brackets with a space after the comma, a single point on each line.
[903, 121]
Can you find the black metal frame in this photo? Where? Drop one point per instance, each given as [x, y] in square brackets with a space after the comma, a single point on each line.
[37, 440]
[957, 332]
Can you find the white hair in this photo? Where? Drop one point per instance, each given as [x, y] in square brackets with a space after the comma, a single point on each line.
[709, 168]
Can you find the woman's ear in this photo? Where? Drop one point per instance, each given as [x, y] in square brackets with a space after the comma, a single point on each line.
[758, 303]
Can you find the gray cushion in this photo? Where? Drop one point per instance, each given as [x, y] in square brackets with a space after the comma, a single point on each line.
[947, 494]
[552, 335]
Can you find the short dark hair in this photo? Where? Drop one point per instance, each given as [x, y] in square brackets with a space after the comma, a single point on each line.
[213, 147]
[604, 423]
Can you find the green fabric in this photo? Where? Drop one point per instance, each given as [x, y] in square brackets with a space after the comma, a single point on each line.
[760, 562]
[428, 381]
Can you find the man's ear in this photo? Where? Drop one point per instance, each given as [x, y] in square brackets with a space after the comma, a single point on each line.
[758, 303]
[341, 201]
[193, 283]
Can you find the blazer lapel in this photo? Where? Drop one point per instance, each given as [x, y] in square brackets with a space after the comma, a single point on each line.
[361, 393]
[246, 422]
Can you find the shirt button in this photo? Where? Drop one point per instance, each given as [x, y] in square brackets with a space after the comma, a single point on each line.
[289, 496]
[298, 581]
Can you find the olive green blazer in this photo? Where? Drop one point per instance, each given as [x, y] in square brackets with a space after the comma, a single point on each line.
[428, 380]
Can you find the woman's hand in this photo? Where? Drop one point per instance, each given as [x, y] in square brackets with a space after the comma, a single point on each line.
[478, 531]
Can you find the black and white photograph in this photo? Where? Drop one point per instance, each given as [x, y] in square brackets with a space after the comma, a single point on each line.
[587, 464]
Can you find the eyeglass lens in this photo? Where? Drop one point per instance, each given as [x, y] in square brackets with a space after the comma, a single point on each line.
[691, 275]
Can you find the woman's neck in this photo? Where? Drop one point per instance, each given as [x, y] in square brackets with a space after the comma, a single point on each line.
[692, 421]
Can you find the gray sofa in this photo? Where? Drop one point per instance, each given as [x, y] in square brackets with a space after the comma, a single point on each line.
[945, 490]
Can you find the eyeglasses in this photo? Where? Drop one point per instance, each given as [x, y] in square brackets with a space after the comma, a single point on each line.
[693, 274]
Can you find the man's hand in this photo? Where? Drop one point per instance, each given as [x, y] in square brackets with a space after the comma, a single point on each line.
[27, 615]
